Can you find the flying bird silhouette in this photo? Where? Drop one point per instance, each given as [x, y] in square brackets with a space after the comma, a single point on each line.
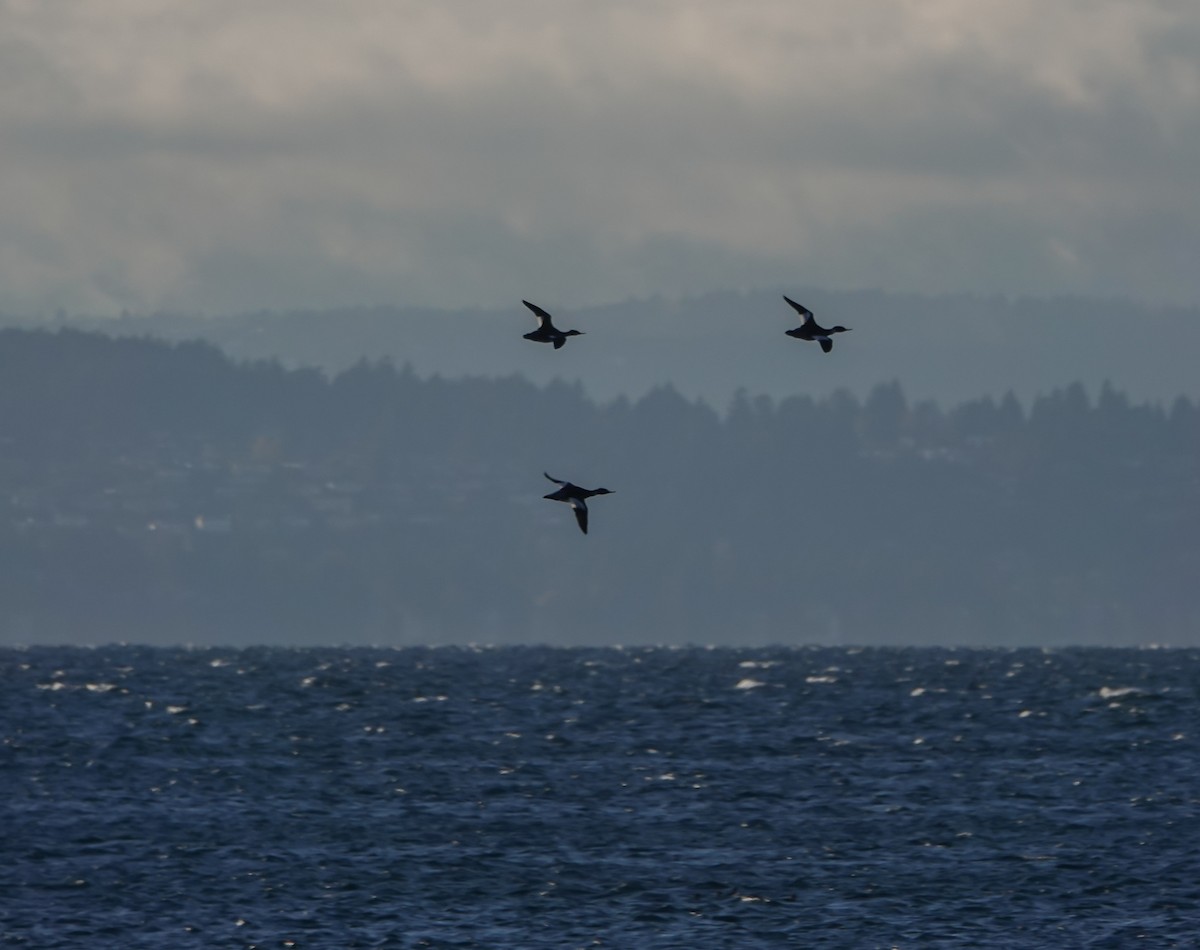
[811, 330]
[547, 332]
[576, 497]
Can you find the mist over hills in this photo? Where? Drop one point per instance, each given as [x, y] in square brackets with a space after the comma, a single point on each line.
[165, 493]
[948, 348]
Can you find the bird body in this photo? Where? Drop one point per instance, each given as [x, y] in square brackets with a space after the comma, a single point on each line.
[547, 332]
[574, 496]
[811, 330]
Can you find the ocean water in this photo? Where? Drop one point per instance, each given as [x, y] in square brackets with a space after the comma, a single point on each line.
[636, 798]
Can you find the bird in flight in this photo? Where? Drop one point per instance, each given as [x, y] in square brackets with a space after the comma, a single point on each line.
[576, 497]
[547, 332]
[810, 329]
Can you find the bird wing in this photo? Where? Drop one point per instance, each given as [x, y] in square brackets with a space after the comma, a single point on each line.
[799, 308]
[826, 343]
[580, 510]
[557, 481]
[538, 311]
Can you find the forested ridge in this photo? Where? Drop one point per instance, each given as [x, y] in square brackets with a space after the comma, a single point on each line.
[163, 493]
[949, 348]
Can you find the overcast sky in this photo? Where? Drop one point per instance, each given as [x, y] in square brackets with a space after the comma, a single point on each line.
[221, 155]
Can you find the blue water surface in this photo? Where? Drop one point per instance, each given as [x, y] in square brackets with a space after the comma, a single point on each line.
[636, 798]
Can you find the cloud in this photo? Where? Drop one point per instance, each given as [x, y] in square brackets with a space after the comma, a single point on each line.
[223, 156]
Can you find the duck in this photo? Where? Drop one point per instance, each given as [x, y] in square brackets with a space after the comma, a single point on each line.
[810, 329]
[547, 332]
[576, 497]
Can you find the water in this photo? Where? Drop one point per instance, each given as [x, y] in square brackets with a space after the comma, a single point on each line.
[530, 797]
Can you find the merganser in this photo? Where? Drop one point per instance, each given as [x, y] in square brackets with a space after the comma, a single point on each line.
[576, 497]
[810, 329]
[547, 332]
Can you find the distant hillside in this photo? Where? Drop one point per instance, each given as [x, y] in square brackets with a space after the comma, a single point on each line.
[945, 348]
[163, 493]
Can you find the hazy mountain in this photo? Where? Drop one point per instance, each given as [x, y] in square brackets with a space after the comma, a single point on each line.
[162, 493]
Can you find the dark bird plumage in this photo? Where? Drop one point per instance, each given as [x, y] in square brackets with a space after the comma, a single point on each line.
[811, 330]
[576, 497]
[547, 332]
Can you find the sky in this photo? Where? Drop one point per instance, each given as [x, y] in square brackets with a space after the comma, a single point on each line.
[221, 156]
